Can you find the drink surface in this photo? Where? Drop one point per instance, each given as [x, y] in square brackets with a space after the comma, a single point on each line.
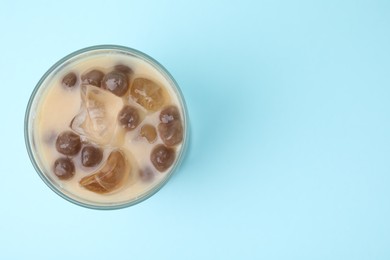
[132, 127]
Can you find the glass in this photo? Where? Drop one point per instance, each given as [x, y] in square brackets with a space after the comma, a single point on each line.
[36, 98]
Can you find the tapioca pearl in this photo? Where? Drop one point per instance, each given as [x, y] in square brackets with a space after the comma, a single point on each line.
[91, 155]
[162, 157]
[116, 82]
[129, 118]
[69, 80]
[93, 77]
[64, 168]
[68, 143]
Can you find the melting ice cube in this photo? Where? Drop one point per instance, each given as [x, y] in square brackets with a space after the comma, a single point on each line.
[97, 119]
[111, 176]
[148, 94]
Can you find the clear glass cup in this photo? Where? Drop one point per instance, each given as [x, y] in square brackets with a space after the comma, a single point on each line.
[37, 96]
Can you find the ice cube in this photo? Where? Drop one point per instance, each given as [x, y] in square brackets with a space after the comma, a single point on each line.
[111, 176]
[149, 132]
[147, 93]
[97, 118]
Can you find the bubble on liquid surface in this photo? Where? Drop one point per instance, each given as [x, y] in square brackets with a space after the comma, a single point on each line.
[111, 176]
[97, 118]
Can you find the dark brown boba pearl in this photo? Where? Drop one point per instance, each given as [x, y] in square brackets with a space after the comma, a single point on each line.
[69, 80]
[91, 156]
[64, 168]
[146, 174]
[123, 68]
[162, 157]
[93, 77]
[50, 137]
[129, 117]
[68, 143]
[169, 114]
[171, 133]
[116, 82]
[170, 128]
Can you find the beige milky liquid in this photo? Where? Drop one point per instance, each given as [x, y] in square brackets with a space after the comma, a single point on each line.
[59, 105]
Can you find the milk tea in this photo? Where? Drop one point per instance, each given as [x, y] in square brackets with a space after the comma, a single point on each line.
[108, 127]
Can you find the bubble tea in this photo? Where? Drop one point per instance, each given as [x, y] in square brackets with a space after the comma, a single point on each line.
[106, 127]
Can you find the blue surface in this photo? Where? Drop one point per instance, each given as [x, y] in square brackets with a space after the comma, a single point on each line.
[290, 113]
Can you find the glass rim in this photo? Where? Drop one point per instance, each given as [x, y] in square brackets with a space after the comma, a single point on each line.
[163, 71]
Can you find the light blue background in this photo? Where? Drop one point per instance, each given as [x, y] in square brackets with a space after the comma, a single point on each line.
[290, 115]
